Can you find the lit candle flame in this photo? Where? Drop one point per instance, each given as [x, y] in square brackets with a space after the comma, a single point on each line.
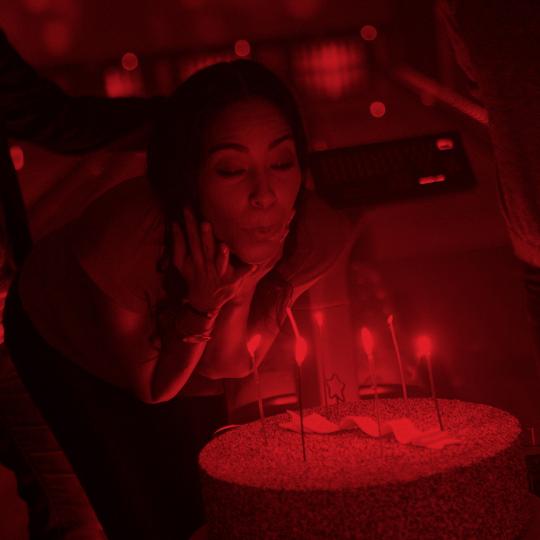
[366, 338]
[424, 347]
[300, 350]
[301, 344]
[253, 344]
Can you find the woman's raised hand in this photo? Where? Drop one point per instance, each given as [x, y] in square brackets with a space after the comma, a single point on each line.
[211, 279]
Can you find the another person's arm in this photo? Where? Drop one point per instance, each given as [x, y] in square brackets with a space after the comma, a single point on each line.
[35, 109]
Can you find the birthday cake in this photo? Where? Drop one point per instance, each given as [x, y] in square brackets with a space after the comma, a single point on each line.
[355, 486]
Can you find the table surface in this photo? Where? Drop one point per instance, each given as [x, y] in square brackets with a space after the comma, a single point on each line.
[533, 531]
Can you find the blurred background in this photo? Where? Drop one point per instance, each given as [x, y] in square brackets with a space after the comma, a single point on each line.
[364, 72]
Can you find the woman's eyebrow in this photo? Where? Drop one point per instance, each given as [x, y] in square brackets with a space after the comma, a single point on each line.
[244, 149]
[227, 146]
[279, 140]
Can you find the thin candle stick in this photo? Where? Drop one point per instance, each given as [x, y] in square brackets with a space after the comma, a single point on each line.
[390, 321]
[371, 363]
[260, 403]
[424, 351]
[319, 321]
[299, 355]
[302, 434]
[433, 393]
[253, 344]
[366, 339]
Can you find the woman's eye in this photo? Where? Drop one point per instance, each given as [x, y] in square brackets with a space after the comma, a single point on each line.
[228, 173]
[282, 165]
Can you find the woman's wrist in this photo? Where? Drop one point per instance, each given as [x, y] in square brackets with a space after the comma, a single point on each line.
[243, 299]
[194, 326]
[209, 314]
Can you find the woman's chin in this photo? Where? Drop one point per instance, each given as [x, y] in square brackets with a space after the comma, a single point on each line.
[259, 254]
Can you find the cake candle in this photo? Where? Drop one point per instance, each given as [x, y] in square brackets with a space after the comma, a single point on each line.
[366, 338]
[318, 316]
[424, 352]
[391, 326]
[300, 351]
[252, 346]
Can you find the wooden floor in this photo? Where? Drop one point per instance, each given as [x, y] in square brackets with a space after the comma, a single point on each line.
[12, 509]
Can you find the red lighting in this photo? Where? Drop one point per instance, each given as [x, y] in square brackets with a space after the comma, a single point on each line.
[194, 64]
[303, 9]
[377, 109]
[445, 144]
[331, 68]
[300, 350]
[423, 347]
[427, 99]
[431, 179]
[253, 344]
[122, 83]
[130, 62]
[242, 48]
[37, 6]
[319, 318]
[57, 37]
[368, 32]
[368, 343]
[17, 157]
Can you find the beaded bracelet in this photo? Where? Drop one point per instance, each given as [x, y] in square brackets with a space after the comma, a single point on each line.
[202, 337]
[197, 338]
[210, 314]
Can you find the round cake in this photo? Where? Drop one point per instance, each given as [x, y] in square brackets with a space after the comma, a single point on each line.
[355, 486]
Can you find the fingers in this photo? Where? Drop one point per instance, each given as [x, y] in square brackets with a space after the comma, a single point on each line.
[194, 240]
[208, 242]
[222, 262]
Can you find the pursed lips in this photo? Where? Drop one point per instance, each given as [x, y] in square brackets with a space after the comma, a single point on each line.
[265, 231]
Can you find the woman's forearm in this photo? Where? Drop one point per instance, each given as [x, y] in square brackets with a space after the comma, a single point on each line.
[226, 354]
[182, 344]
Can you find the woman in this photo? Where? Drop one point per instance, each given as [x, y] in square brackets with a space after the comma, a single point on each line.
[125, 323]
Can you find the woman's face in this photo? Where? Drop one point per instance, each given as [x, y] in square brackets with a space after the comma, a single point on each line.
[249, 179]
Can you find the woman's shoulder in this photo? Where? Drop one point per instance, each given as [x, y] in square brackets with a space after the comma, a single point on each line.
[322, 234]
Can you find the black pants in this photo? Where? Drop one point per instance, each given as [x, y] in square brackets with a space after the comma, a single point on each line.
[137, 462]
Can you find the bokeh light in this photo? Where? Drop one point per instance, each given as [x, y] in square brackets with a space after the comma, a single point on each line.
[130, 62]
[368, 32]
[242, 48]
[377, 109]
[17, 157]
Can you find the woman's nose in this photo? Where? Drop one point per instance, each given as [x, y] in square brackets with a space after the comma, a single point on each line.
[262, 194]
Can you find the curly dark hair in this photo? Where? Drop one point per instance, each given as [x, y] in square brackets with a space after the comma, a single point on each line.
[175, 155]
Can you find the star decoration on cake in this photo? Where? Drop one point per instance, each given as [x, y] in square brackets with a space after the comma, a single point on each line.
[335, 388]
